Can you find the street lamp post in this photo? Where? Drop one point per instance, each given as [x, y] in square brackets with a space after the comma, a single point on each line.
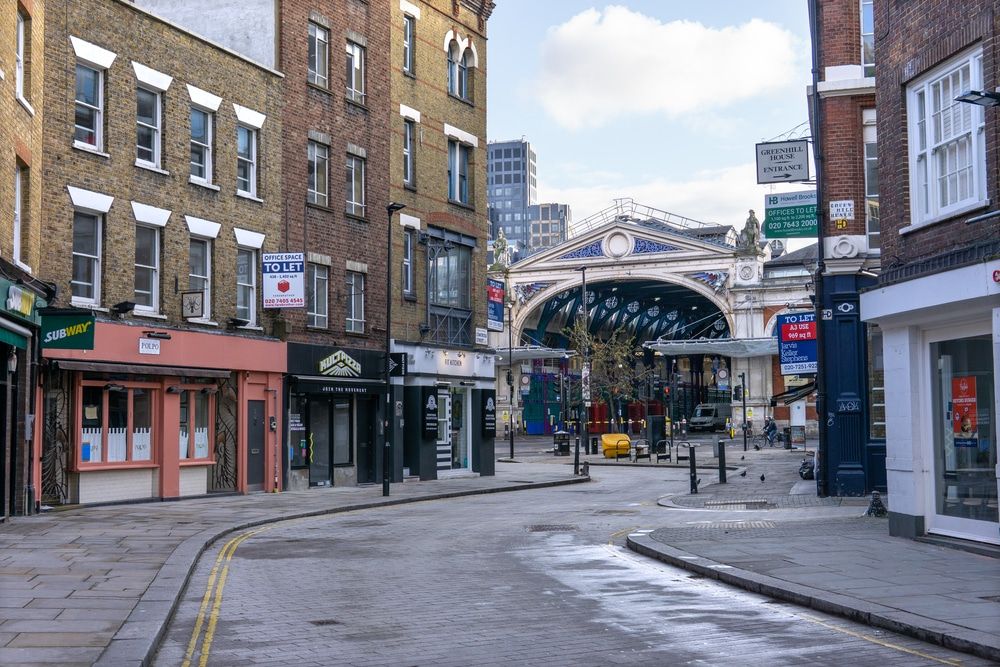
[743, 396]
[510, 372]
[387, 421]
[584, 375]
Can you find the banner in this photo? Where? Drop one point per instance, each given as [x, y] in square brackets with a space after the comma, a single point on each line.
[963, 411]
[494, 304]
[284, 280]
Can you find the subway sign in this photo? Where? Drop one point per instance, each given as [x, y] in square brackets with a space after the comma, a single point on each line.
[68, 332]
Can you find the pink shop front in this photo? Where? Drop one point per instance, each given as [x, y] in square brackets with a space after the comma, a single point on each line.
[158, 413]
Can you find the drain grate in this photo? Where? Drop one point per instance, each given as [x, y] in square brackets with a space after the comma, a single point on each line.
[326, 621]
[737, 525]
[738, 504]
[551, 528]
[617, 512]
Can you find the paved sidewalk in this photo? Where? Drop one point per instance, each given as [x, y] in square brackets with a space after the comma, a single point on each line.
[825, 554]
[98, 585]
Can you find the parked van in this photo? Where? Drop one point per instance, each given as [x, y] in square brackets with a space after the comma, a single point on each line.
[710, 416]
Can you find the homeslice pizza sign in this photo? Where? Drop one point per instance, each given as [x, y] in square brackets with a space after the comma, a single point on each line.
[284, 280]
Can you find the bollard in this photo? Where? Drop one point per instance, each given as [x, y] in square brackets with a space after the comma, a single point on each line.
[576, 457]
[694, 472]
[586, 469]
[722, 462]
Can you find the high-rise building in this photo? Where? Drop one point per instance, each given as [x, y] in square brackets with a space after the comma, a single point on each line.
[548, 225]
[512, 188]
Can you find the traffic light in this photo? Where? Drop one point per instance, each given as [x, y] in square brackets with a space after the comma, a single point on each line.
[738, 393]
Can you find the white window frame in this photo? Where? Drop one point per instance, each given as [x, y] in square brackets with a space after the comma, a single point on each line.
[355, 310]
[409, 155]
[454, 56]
[319, 36]
[250, 287]
[355, 75]
[409, 42]
[19, 49]
[318, 154]
[206, 147]
[355, 200]
[157, 128]
[869, 137]
[925, 154]
[457, 151]
[154, 286]
[98, 130]
[251, 161]
[865, 64]
[409, 289]
[95, 260]
[318, 312]
[18, 211]
[194, 238]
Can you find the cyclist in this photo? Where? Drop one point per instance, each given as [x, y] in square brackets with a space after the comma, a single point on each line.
[770, 430]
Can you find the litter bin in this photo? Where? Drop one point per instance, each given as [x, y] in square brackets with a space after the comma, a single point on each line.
[788, 437]
[560, 443]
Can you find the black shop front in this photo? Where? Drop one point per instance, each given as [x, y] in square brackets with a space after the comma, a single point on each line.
[334, 397]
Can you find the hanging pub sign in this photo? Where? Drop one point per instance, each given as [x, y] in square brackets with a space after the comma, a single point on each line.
[429, 411]
[489, 412]
[68, 332]
[494, 304]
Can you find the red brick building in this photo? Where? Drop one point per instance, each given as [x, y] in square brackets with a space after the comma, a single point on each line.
[937, 301]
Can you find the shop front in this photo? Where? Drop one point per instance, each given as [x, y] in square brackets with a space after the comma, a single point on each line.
[134, 412]
[450, 412]
[334, 398]
[941, 344]
[21, 296]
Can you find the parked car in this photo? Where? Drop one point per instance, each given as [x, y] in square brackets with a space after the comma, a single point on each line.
[710, 416]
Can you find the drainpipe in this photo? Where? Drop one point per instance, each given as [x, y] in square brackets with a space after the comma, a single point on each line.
[817, 117]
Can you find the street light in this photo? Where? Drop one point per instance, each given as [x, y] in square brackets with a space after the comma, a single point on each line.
[983, 98]
[510, 372]
[585, 373]
[387, 422]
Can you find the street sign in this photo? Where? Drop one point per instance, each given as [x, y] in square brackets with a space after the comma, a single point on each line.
[789, 215]
[797, 343]
[585, 382]
[783, 161]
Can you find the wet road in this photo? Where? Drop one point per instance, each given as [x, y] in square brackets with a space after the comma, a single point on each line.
[527, 578]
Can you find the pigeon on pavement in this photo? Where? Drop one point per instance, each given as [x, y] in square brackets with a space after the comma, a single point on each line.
[743, 474]
[762, 477]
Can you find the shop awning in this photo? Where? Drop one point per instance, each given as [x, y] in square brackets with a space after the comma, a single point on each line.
[739, 348]
[529, 352]
[139, 369]
[793, 394]
[14, 334]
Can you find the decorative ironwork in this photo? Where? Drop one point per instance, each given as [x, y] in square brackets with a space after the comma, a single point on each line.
[714, 279]
[590, 250]
[56, 440]
[641, 246]
[525, 293]
[223, 474]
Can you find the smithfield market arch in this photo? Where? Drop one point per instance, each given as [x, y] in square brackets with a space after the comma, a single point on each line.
[699, 298]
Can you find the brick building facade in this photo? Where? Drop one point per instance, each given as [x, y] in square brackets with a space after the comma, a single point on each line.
[22, 70]
[937, 301]
[852, 432]
[163, 187]
[438, 171]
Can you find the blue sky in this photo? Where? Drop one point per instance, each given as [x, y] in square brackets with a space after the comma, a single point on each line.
[661, 101]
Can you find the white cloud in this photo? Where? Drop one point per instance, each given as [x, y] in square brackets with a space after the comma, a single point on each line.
[601, 65]
[722, 196]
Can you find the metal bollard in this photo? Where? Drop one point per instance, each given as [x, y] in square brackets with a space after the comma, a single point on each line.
[694, 472]
[722, 462]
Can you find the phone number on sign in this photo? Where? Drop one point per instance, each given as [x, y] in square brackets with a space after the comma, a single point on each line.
[284, 303]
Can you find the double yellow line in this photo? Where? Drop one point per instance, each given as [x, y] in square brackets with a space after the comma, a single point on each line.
[212, 600]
